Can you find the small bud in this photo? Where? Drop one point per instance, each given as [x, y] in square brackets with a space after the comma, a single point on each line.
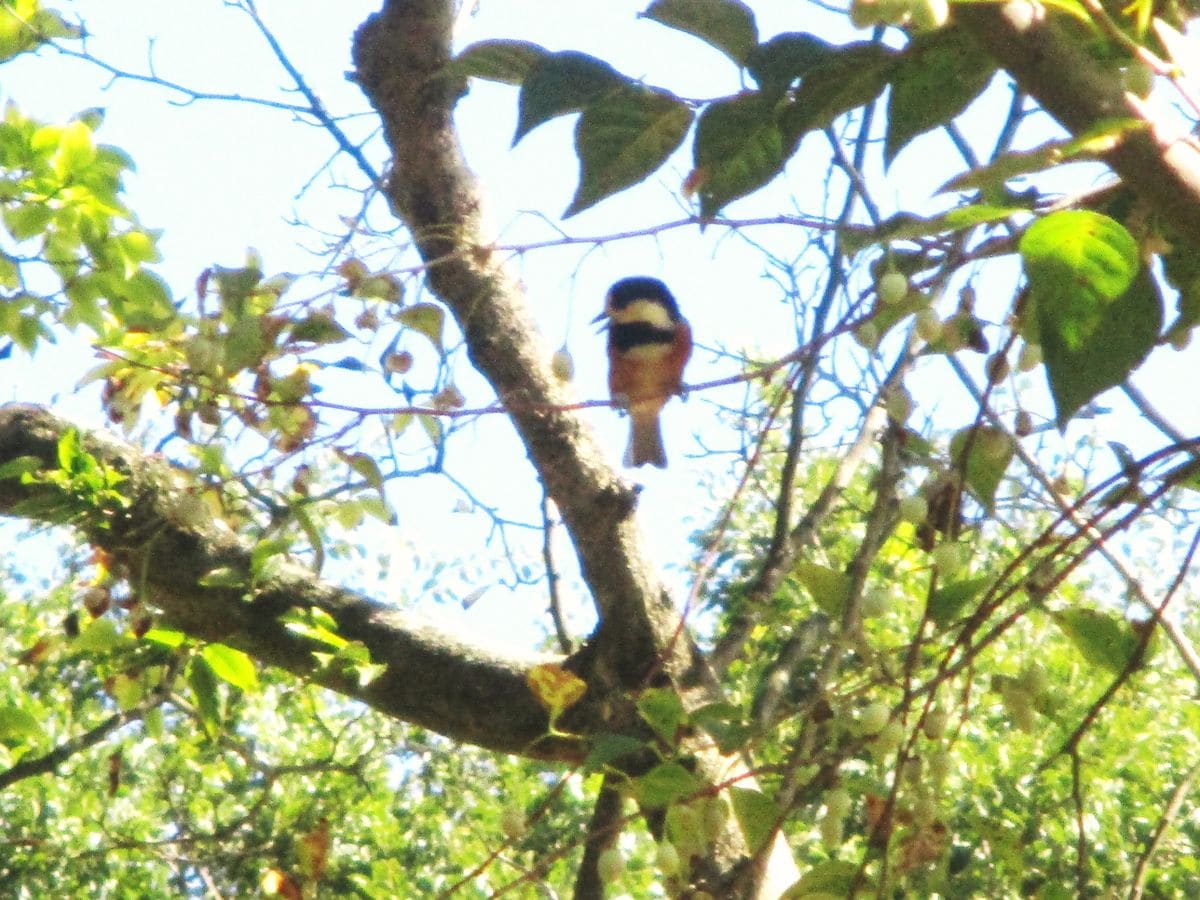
[1138, 79]
[892, 287]
[513, 822]
[1030, 357]
[1023, 423]
[935, 723]
[716, 815]
[302, 479]
[914, 509]
[562, 364]
[96, 601]
[611, 865]
[208, 413]
[874, 717]
[890, 737]
[838, 803]
[831, 832]
[667, 858]
[399, 362]
[367, 320]
[876, 602]
[448, 397]
[938, 764]
[899, 404]
[867, 335]
[140, 621]
[929, 326]
[949, 559]
[997, 368]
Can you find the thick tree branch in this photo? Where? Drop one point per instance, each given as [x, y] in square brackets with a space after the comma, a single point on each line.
[399, 54]
[431, 679]
[1160, 163]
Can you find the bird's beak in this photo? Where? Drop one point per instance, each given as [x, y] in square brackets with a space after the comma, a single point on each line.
[602, 320]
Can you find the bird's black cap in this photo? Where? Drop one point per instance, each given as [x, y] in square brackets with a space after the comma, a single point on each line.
[628, 290]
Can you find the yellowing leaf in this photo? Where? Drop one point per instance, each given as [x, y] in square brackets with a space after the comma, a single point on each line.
[555, 688]
[427, 318]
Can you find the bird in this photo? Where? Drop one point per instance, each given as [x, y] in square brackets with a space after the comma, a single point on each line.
[649, 344]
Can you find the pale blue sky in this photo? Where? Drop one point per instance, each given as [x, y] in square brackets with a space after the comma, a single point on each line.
[220, 177]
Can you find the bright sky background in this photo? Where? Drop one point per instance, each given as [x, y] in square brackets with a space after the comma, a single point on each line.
[220, 177]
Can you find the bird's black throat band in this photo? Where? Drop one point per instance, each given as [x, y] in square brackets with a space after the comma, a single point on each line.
[627, 335]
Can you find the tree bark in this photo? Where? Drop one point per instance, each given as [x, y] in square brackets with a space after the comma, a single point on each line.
[167, 542]
[1159, 162]
[399, 57]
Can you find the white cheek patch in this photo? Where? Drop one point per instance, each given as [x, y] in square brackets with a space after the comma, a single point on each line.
[651, 312]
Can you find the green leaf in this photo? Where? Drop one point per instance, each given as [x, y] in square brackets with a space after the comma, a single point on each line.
[364, 464]
[562, 83]
[18, 724]
[937, 75]
[779, 62]
[1104, 640]
[948, 601]
[127, 690]
[49, 24]
[24, 25]
[904, 226]
[829, 589]
[990, 450]
[738, 149]
[232, 666]
[27, 220]
[432, 426]
[849, 77]
[319, 328]
[727, 25]
[622, 138]
[1088, 145]
[245, 345]
[427, 318]
[165, 637]
[506, 61]
[98, 637]
[18, 466]
[144, 302]
[267, 550]
[725, 722]
[1098, 310]
[663, 711]
[76, 149]
[235, 287]
[832, 878]
[758, 815]
[664, 784]
[607, 748]
[1181, 267]
[313, 532]
[203, 683]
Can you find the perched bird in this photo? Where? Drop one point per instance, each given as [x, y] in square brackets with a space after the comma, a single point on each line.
[649, 344]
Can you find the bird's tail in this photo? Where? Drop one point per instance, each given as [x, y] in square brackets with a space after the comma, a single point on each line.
[645, 442]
